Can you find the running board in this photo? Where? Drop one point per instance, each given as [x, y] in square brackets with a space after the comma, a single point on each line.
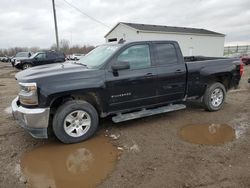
[147, 112]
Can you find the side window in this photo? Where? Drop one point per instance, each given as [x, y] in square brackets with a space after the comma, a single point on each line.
[166, 54]
[41, 56]
[60, 55]
[137, 56]
[50, 55]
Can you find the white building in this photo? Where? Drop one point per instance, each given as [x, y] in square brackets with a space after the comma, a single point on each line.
[191, 40]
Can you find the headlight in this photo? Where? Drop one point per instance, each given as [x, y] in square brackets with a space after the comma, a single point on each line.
[28, 94]
[17, 62]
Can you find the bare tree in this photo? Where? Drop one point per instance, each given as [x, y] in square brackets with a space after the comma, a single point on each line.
[64, 47]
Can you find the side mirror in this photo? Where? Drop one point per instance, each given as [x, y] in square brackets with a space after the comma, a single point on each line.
[121, 65]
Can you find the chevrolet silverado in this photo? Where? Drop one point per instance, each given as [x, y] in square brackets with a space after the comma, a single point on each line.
[125, 80]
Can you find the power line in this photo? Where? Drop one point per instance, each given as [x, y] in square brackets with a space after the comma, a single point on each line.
[85, 14]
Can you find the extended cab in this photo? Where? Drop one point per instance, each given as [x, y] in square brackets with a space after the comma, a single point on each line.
[40, 58]
[126, 80]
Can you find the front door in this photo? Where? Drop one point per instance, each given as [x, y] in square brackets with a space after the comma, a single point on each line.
[40, 59]
[134, 87]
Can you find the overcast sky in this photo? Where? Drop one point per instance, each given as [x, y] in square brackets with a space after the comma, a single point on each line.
[30, 22]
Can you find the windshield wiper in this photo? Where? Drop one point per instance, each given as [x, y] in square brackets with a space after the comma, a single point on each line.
[80, 64]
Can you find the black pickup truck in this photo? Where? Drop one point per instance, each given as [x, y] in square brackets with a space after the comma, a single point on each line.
[40, 58]
[126, 80]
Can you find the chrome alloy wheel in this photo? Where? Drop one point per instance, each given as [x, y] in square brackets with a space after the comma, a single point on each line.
[26, 66]
[77, 123]
[217, 97]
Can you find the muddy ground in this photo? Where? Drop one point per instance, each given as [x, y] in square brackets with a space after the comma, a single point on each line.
[153, 155]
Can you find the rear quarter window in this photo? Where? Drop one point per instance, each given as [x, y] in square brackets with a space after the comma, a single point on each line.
[61, 55]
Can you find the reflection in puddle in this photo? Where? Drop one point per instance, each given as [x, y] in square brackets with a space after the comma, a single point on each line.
[210, 134]
[77, 165]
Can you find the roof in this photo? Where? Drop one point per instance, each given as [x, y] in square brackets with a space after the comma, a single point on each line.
[167, 29]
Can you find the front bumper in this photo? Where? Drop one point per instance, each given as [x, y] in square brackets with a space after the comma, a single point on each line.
[35, 120]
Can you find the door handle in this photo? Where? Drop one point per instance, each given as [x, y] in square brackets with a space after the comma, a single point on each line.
[149, 75]
[178, 71]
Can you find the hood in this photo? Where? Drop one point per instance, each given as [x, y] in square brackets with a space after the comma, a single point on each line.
[25, 59]
[20, 58]
[53, 72]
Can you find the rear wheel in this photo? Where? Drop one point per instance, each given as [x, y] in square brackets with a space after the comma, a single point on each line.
[214, 96]
[75, 121]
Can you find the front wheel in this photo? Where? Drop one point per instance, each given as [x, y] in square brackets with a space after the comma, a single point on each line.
[214, 96]
[26, 66]
[75, 121]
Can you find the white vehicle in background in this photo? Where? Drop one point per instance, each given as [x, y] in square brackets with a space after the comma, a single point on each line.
[76, 56]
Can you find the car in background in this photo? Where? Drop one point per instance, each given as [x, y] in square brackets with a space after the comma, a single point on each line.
[1, 59]
[68, 57]
[7, 59]
[40, 58]
[4, 59]
[245, 59]
[20, 56]
[76, 56]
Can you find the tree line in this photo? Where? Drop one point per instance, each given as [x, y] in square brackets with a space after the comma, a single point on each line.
[64, 47]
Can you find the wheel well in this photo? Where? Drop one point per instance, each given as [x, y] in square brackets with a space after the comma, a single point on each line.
[223, 79]
[91, 98]
[27, 63]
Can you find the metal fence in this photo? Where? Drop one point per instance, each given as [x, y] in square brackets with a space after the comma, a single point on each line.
[236, 50]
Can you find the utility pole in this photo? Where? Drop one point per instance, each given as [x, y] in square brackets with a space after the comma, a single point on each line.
[56, 30]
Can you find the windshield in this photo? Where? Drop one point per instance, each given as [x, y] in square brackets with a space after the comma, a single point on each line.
[98, 56]
[22, 54]
[34, 55]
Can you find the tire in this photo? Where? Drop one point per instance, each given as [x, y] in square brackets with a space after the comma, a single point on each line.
[26, 66]
[214, 96]
[68, 126]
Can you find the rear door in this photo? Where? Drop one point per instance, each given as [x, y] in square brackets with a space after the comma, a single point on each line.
[135, 87]
[51, 57]
[171, 71]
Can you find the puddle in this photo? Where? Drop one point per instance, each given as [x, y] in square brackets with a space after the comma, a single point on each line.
[208, 134]
[85, 164]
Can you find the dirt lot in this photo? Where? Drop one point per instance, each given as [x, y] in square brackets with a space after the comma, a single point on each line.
[154, 155]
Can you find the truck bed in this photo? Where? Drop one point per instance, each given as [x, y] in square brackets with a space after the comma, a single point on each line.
[202, 69]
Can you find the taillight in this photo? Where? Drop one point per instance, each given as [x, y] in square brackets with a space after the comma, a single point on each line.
[241, 69]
